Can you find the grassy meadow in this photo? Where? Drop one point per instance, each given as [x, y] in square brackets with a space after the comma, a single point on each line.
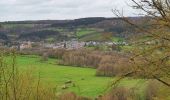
[84, 82]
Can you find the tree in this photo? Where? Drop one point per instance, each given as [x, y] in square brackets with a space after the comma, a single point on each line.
[151, 57]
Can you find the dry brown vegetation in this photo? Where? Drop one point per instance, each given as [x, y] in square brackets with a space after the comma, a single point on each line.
[17, 85]
[106, 63]
[72, 96]
[154, 48]
[152, 92]
[83, 58]
[120, 93]
[113, 66]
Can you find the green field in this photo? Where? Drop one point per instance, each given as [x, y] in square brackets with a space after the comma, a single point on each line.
[117, 39]
[13, 26]
[84, 31]
[84, 79]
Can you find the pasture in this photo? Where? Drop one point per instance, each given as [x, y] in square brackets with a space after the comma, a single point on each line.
[82, 81]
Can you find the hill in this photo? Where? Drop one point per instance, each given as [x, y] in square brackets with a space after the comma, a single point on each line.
[40, 35]
[85, 29]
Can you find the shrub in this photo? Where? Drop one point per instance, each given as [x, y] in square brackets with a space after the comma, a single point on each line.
[119, 93]
[56, 53]
[109, 66]
[152, 89]
[106, 66]
[81, 58]
[17, 85]
[44, 57]
[71, 96]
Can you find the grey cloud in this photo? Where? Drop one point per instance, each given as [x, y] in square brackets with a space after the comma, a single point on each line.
[58, 9]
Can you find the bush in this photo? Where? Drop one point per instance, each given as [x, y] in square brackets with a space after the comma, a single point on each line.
[109, 66]
[119, 93]
[56, 53]
[152, 89]
[106, 66]
[81, 58]
[44, 57]
[71, 96]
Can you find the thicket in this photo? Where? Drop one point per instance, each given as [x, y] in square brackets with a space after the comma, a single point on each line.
[151, 92]
[82, 58]
[106, 63]
[20, 85]
[113, 66]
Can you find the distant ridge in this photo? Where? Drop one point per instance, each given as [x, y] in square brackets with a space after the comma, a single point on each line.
[61, 21]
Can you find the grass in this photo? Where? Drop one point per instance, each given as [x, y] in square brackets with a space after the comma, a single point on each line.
[84, 31]
[90, 34]
[12, 26]
[127, 48]
[50, 39]
[84, 79]
[117, 39]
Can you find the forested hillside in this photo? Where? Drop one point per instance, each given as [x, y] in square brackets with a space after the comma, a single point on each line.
[92, 29]
[3, 36]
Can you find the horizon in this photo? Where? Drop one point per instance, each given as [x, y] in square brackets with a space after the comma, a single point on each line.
[64, 19]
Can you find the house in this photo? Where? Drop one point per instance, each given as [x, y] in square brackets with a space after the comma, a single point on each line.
[25, 45]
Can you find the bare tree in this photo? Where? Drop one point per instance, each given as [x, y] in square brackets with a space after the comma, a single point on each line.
[152, 55]
[20, 85]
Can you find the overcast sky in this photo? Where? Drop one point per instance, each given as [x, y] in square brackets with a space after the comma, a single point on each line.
[12, 10]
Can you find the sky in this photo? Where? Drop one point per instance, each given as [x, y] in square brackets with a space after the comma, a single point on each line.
[17, 10]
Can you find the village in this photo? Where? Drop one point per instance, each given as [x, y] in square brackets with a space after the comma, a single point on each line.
[69, 45]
